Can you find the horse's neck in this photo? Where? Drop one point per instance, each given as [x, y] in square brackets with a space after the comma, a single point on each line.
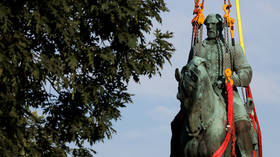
[207, 104]
[203, 109]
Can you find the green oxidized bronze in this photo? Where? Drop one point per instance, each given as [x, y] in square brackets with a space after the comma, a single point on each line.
[200, 127]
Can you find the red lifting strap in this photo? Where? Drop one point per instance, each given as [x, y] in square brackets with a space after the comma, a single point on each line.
[255, 119]
[231, 129]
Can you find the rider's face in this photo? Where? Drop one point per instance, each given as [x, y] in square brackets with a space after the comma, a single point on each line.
[211, 30]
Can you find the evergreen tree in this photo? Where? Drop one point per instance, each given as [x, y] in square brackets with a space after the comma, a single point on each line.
[65, 66]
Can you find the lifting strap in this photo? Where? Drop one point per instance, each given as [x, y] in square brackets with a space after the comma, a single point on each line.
[255, 120]
[230, 119]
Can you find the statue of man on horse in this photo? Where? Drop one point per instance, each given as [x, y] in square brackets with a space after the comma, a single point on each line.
[200, 127]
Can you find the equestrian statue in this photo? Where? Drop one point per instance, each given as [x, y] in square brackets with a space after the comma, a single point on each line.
[200, 127]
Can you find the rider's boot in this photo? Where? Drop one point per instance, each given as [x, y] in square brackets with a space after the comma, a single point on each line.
[244, 139]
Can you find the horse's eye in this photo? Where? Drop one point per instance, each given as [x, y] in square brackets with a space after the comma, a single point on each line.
[194, 77]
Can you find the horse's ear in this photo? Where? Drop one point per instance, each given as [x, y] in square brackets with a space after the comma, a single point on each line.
[178, 75]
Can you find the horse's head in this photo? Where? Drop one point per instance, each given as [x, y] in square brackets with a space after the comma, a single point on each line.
[192, 80]
[196, 94]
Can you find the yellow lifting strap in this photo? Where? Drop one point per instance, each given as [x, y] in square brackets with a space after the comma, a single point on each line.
[240, 26]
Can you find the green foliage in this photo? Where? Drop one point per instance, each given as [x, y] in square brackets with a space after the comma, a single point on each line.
[72, 60]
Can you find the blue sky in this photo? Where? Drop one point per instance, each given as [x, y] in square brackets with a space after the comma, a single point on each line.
[144, 129]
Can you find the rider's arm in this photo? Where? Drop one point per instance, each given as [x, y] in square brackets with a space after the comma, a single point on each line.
[242, 70]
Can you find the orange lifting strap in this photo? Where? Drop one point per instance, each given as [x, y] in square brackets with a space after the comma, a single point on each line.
[198, 10]
[229, 20]
[197, 21]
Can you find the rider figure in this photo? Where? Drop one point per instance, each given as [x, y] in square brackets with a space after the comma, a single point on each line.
[221, 55]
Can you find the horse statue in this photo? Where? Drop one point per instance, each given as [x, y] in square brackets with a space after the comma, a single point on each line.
[199, 128]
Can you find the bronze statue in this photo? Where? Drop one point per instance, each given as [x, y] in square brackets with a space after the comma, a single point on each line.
[200, 127]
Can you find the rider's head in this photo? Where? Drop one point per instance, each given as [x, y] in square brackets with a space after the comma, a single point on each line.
[214, 24]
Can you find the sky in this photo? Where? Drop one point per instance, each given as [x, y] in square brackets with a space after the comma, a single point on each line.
[144, 129]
